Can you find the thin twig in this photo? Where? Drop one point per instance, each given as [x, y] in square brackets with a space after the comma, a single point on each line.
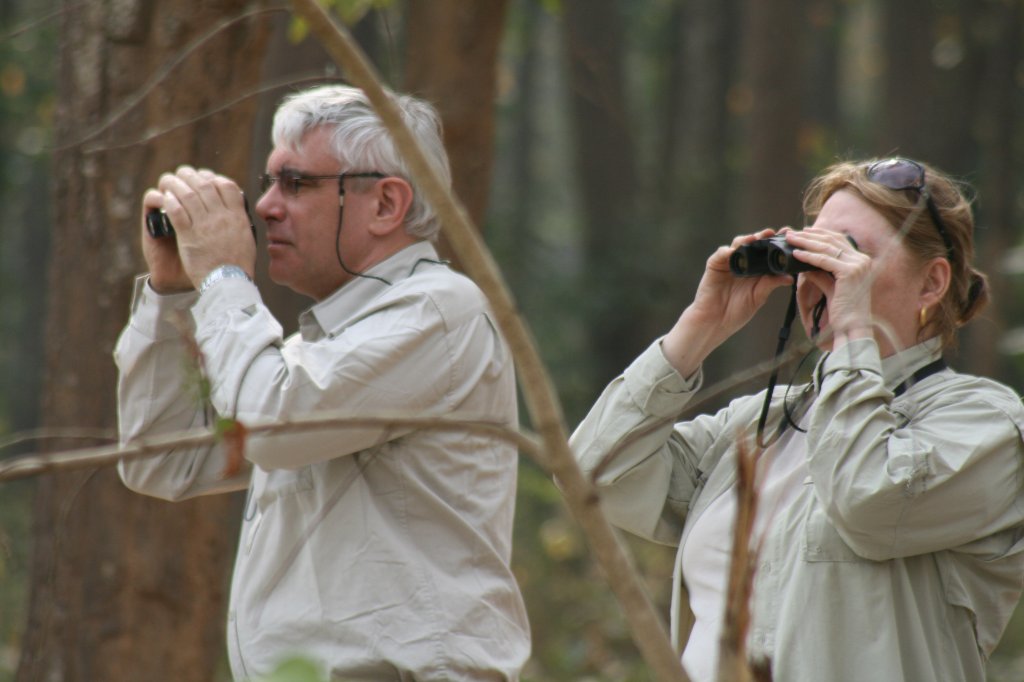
[647, 628]
[151, 135]
[35, 464]
[732, 655]
[38, 21]
[56, 433]
[161, 74]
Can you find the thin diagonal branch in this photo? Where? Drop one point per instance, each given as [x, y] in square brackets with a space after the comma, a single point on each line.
[151, 135]
[131, 102]
[646, 627]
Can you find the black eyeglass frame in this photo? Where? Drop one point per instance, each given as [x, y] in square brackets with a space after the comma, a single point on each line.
[267, 180]
[877, 172]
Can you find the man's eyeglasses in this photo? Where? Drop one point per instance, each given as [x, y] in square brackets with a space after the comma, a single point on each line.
[291, 182]
[900, 174]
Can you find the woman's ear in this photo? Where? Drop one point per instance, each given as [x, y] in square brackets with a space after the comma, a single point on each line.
[393, 200]
[937, 276]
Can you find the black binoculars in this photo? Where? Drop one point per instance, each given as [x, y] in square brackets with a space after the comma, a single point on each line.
[158, 224]
[771, 256]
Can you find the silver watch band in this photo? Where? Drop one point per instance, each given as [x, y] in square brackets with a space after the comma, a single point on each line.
[222, 272]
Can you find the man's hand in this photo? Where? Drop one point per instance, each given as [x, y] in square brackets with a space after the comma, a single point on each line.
[210, 222]
[166, 273]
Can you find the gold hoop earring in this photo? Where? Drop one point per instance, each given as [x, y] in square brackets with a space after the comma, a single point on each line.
[922, 317]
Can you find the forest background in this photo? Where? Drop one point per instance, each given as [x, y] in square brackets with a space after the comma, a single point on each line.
[604, 148]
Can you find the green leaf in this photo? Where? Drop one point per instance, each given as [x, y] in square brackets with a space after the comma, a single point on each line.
[223, 425]
[298, 29]
[296, 669]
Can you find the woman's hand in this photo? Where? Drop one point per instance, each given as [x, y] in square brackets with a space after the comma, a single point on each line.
[844, 279]
[723, 304]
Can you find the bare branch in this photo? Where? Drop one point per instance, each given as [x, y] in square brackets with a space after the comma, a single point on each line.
[32, 24]
[647, 627]
[732, 655]
[131, 102]
[51, 433]
[151, 135]
[35, 464]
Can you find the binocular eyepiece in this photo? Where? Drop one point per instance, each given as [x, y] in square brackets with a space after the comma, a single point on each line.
[771, 256]
[158, 223]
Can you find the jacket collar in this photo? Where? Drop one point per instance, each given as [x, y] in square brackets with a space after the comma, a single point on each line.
[895, 369]
[898, 367]
[332, 314]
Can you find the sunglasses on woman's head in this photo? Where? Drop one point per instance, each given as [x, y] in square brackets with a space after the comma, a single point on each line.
[900, 174]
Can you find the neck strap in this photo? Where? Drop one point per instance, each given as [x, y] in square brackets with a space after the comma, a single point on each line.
[923, 373]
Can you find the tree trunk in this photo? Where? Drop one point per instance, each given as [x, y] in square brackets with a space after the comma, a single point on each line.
[998, 115]
[450, 60]
[907, 79]
[514, 177]
[616, 273]
[126, 587]
[769, 93]
[699, 172]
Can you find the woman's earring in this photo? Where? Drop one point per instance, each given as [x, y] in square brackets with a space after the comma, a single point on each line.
[922, 317]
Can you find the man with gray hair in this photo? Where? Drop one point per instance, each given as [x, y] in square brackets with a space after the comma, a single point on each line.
[380, 552]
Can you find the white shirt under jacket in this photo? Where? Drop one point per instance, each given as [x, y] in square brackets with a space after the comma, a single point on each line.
[381, 553]
[893, 532]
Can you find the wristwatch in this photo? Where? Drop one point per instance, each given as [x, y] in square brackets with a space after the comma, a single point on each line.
[222, 272]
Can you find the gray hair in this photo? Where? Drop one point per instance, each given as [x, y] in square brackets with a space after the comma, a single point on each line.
[362, 143]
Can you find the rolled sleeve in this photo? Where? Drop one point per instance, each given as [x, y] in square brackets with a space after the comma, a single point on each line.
[656, 387]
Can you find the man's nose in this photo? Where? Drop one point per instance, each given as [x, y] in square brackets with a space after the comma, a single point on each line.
[269, 205]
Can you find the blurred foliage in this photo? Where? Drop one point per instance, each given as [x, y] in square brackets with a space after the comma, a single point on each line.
[578, 630]
[349, 12]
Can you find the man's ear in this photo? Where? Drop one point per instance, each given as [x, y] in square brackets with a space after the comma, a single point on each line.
[937, 276]
[393, 199]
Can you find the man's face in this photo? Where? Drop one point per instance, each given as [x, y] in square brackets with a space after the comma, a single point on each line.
[302, 226]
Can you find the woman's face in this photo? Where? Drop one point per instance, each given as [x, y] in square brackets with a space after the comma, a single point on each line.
[897, 278]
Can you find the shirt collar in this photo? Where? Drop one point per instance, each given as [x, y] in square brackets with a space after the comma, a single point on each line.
[898, 367]
[328, 315]
[895, 369]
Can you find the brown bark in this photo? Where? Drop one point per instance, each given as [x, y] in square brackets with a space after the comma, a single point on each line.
[699, 174]
[450, 60]
[614, 240]
[999, 115]
[770, 93]
[769, 96]
[907, 78]
[126, 587]
[932, 79]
